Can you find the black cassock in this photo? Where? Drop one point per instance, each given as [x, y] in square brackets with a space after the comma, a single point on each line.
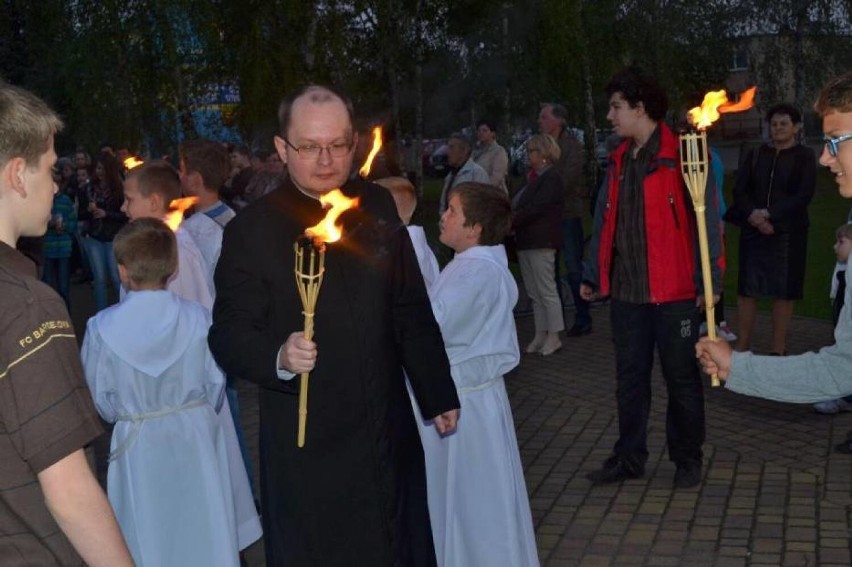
[355, 494]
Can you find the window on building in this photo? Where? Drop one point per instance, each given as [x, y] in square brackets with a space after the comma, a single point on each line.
[740, 59]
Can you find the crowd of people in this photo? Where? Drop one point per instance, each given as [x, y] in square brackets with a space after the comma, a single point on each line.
[410, 456]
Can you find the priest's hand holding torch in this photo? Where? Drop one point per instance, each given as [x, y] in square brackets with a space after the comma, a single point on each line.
[297, 354]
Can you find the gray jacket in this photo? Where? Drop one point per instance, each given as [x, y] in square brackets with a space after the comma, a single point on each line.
[470, 171]
[807, 378]
[495, 161]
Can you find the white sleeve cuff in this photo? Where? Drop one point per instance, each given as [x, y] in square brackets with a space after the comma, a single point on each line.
[282, 374]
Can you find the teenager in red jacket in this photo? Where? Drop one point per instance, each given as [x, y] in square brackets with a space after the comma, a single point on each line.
[644, 254]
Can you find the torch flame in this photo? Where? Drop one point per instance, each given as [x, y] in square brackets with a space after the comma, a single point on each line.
[176, 209]
[326, 230]
[131, 162]
[377, 145]
[716, 103]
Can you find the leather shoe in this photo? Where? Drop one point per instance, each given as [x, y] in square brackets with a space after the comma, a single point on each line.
[687, 475]
[576, 331]
[613, 470]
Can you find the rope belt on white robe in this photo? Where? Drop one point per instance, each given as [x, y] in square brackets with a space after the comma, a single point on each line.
[484, 386]
[138, 418]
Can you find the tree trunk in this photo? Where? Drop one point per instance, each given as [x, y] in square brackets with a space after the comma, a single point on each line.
[390, 56]
[507, 91]
[798, 57]
[417, 149]
[589, 102]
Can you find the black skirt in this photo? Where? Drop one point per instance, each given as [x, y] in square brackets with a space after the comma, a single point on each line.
[772, 266]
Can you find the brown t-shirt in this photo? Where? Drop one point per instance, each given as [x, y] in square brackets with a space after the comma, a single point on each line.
[46, 411]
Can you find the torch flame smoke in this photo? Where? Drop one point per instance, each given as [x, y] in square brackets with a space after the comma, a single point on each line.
[377, 145]
[326, 230]
[716, 103]
[176, 209]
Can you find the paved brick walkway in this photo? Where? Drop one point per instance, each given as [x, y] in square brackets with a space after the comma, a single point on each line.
[773, 491]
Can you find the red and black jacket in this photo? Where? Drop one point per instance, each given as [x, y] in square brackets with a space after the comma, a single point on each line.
[674, 267]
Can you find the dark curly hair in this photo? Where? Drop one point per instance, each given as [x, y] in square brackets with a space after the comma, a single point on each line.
[636, 86]
[785, 108]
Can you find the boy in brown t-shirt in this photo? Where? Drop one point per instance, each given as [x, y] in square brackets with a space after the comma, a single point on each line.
[46, 414]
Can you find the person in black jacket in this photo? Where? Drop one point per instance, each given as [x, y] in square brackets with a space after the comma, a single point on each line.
[537, 221]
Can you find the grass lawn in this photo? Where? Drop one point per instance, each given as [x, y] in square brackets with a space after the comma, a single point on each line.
[827, 211]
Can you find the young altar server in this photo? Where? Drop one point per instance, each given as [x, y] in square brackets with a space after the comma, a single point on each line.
[151, 373]
[478, 501]
[205, 166]
[148, 191]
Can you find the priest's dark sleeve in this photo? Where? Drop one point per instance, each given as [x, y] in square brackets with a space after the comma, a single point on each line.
[418, 335]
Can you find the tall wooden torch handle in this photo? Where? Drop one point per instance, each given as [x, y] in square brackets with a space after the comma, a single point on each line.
[707, 277]
[303, 386]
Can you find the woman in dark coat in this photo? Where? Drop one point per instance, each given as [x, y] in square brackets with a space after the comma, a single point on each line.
[537, 221]
[774, 186]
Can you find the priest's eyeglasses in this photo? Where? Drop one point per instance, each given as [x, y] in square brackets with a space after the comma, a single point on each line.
[833, 143]
[313, 151]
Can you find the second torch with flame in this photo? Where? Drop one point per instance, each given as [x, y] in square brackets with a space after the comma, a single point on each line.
[309, 269]
[695, 165]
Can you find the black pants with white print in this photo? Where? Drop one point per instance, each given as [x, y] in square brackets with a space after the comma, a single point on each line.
[673, 329]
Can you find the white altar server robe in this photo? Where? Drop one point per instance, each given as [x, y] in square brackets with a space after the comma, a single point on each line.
[207, 235]
[193, 281]
[478, 501]
[151, 373]
[190, 282]
[425, 257]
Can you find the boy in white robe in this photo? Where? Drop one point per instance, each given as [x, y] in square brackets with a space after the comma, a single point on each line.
[148, 191]
[205, 166]
[151, 373]
[478, 502]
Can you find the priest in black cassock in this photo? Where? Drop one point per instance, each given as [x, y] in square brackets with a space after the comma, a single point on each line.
[355, 494]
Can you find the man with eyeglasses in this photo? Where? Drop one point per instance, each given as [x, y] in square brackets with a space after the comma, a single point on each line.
[355, 494]
[813, 376]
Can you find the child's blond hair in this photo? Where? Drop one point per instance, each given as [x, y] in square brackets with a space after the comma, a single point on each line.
[147, 248]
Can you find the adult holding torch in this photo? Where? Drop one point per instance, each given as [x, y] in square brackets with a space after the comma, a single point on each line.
[644, 254]
[355, 493]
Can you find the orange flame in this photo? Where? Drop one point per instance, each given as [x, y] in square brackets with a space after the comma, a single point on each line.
[377, 145]
[131, 162]
[176, 209]
[326, 230]
[716, 103]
